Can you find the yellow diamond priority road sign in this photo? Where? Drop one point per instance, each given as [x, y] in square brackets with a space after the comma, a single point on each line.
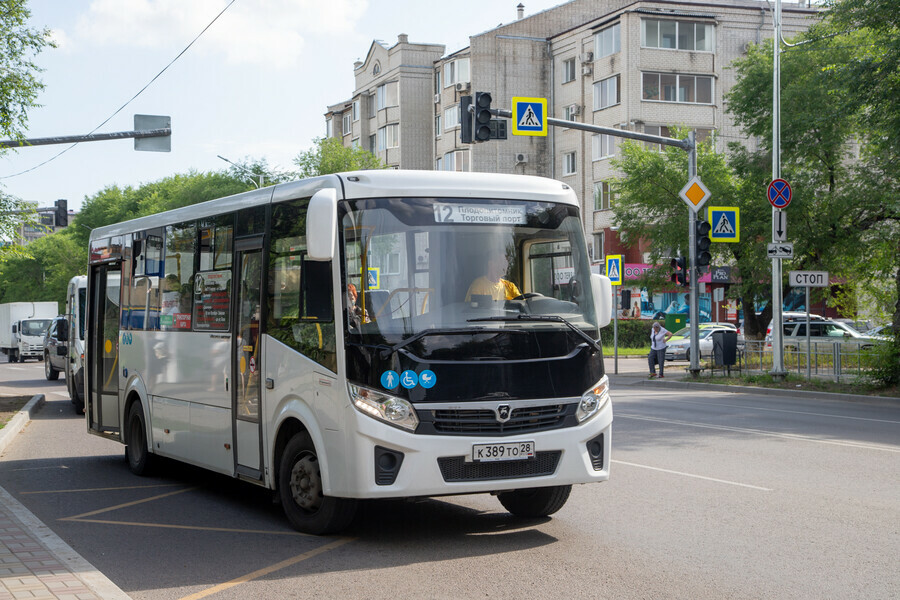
[695, 194]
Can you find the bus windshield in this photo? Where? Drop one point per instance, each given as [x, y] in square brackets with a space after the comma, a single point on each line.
[451, 265]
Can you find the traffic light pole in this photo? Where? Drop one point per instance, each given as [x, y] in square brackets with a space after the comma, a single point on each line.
[694, 308]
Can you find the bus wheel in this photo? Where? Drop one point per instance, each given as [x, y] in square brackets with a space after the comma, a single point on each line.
[535, 502]
[300, 490]
[139, 459]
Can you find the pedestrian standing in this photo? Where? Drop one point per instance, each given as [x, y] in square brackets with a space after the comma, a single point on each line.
[658, 338]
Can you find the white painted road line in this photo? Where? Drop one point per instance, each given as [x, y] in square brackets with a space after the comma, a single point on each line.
[725, 481]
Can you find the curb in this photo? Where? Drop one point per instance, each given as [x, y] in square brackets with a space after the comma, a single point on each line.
[19, 421]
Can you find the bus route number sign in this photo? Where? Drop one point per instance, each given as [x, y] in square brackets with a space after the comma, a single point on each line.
[479, 214]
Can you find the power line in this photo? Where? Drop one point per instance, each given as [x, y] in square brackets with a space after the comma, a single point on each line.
[133, 98]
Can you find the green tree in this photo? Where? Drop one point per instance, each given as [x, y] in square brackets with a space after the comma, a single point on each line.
[42, 270]
[329, 155]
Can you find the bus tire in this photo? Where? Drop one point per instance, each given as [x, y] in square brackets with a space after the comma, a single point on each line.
[139, 459]
[535, 502]
[307, 508]
[49, 372]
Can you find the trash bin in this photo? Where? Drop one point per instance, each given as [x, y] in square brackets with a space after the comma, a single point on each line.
[674, 322]
[724, 348]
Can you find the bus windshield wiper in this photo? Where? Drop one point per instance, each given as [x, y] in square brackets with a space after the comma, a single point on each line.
[554, 318]
[385, 352]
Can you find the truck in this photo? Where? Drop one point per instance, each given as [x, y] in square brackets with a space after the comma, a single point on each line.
[22, 328]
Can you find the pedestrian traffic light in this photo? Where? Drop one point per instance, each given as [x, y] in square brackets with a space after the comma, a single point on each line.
[61, 216]
[680, 276]
[701, 244]
[481, 131]
[465, 120]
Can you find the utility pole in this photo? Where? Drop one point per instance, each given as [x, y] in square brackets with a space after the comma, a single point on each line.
[778, 373]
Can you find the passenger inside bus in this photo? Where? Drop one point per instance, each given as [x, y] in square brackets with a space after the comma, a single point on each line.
[491, 286]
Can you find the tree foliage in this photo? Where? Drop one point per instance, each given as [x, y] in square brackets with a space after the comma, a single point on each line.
[19, 83]
[329, 155]
[42, 270]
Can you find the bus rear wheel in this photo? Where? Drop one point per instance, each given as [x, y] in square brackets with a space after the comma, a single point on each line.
[535, 502]
[307, 508]
[139, 459]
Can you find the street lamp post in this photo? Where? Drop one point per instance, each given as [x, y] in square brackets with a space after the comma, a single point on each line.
[245, 170]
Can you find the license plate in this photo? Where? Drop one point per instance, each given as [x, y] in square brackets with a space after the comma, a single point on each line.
[504, 451]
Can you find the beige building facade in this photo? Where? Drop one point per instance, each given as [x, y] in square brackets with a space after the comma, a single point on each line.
[639, 66]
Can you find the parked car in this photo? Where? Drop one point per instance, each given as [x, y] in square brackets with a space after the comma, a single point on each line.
[56, 347]
[685, 332]
[681, 349]
[823, 334]
[882, 331]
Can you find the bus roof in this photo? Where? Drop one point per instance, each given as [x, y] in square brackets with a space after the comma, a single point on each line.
[364, 184]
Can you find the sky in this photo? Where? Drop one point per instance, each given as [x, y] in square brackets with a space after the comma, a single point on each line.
[255, 85]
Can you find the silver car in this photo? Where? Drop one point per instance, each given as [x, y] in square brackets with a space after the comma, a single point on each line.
[823, 334]
[681, 349]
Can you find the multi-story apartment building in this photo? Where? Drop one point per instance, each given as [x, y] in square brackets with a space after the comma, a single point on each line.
[637, 65]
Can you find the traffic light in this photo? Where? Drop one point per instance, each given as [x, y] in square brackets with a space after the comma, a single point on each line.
[701, 244]
[61, 217]
[680, 276]
[482, 128]
[465, 120]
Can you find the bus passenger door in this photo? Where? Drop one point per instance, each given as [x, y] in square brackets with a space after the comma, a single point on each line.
[246, 354]
[103, 353]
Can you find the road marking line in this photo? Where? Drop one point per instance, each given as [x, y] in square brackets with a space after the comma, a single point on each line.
[127, 504]
[789, 436]
[106, 489]
[187, 527]
[746, 485]
[267, 570]
[778, 410]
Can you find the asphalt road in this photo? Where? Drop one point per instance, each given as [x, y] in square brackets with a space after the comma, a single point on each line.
[712, 495]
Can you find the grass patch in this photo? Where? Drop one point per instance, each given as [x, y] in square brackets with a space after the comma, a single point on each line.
[9, 406]
[796, 382]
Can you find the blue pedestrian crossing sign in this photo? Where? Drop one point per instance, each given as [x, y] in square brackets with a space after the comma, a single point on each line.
[724, 223]
[529, 116]
[614, 269]
[373, 278]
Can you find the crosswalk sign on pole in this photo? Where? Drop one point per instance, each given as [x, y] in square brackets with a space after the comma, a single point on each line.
[529, 116]
[724, 223]
[614, 269]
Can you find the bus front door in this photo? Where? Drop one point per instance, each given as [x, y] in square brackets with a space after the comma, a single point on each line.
[246, 354]
[103, 353]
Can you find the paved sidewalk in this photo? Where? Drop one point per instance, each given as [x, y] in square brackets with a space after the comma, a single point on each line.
[34, 561]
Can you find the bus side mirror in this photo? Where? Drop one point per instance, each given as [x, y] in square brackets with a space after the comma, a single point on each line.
[602, 292]
[321, 225]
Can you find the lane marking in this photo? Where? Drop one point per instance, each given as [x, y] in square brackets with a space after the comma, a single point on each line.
[789, 436]
[127, 504]
[725, 481]
[106, 489]
[267, 570]
[778, 410]
[186, 527]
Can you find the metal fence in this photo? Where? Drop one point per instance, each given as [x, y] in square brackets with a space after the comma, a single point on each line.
[832, 360]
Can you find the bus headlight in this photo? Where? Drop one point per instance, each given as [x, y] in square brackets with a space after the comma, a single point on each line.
[384, 407]
[593, 400]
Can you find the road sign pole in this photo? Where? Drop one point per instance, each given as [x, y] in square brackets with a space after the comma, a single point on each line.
[694, 308]
[808, 353]
[778, 372]
[616, 330]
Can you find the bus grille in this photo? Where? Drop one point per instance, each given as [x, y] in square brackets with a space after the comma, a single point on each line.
[455, 468]
[522, 420]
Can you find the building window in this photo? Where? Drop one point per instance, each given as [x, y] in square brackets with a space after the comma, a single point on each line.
[437, 126]
[456, 71]
[387, 95]
[372, 146]
[602, 196]
[439, 163]
[389, 136]
[451, 117]
[329, 128]
[606, 93]
[667, 87]
[568, 70]
[354, 143]
[677, 35]
[571, 111]
[356, 110]
[458, 160]
[602, 146]
[569, 163]
[597, 248]
[607, 42]
[347, 124]
[437, 82]
[371, 102]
